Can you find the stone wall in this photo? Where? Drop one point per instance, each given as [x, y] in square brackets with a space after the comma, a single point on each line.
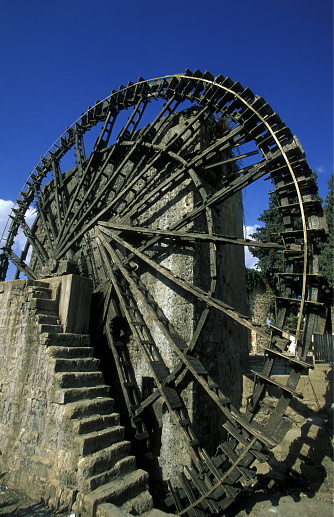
[60, 440]
[260, 300]
[37, 451]
[223, 344]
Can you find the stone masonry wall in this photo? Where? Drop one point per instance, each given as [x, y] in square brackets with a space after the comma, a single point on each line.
[260, 301]
[223, 343]
[60, 440]
[37, 451]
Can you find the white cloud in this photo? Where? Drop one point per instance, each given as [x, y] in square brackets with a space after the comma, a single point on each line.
[5, 208]
[250, 261]
[250, 229]
[320, 169]
[20, 240]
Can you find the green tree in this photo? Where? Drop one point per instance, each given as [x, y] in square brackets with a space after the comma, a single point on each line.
[269, 261]
[327, 248]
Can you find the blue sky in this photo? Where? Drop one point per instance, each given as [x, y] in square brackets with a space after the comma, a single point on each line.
[59, 57]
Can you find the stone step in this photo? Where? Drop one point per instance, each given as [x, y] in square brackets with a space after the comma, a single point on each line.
[121, 467]
[78, 379]
[50, 329]
[95, 423]
[70, 352]
[93, 442]
[66, 340]
[44, 305]
[157, 513]
[110, 510]
[65, 396]
[85, 408]
[48, 319]
[118, 492]
[79, 364]
[103, 460]
[40, 292]
[139, 504]
[37, 283]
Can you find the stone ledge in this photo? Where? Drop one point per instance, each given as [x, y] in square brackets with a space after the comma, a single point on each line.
[110, 510]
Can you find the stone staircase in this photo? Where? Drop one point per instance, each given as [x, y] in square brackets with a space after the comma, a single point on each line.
[107, 479]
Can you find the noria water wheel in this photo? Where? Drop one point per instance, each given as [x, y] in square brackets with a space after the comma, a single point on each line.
[112, 214]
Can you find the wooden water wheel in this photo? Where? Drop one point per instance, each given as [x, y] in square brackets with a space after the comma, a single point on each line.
[112, 214]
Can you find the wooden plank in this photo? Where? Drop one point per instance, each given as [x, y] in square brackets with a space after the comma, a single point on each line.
[191, 496]
[233, 431]
[289, 358]
[202, 488]
[278, 384]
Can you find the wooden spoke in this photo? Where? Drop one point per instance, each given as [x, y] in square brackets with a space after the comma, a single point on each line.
[189, 236]
[128, 131]
[179, 347]
[41, 253]
[58, 193]
[132, 180]
[20, 265]
[217, 304]
[48, 226]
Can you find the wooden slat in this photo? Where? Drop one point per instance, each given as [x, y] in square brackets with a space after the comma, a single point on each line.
[289, 358]
[278, 384]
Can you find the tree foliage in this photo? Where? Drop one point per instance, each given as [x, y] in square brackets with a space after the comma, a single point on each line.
[269, 261]
[327, 248]
[252, 280]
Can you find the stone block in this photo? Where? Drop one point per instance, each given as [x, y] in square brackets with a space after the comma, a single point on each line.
[74, 295]
[110, 510]
[157, 513]
[117, 492]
